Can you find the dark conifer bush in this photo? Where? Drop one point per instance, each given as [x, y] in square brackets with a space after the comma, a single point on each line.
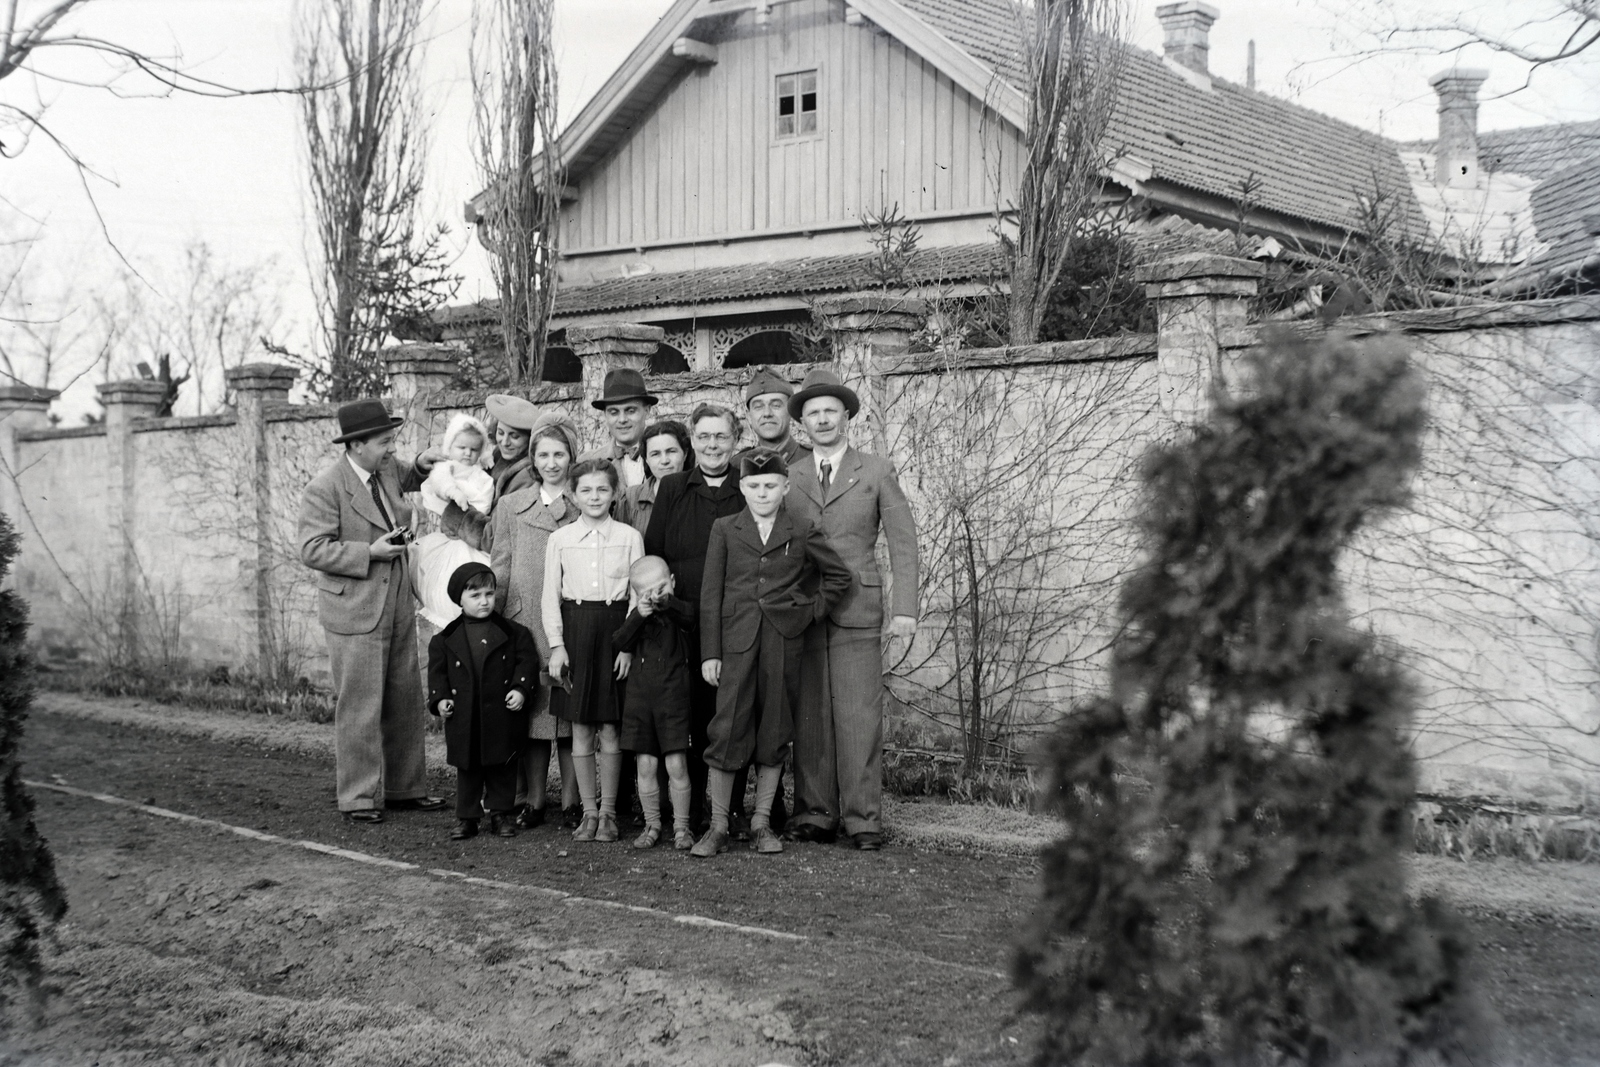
[30, 896]
[1230, 889]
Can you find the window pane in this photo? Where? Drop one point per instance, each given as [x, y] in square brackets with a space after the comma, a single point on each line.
[808, 82]
[786, 85]
[808, 102]
[808, 122]
[785, 125]
[786, 105]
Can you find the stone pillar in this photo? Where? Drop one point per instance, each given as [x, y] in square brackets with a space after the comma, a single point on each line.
[22, 407]
[417, 373]
[865, 330]
[254, 386]
[1198, 297]
[125, 401]
[608, 346]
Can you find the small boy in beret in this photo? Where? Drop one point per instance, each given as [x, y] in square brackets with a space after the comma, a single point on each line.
[655, 710]
[768, 575]
[482, 669]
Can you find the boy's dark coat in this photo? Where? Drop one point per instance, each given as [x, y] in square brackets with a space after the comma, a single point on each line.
[659, 677]
[793, 580]
[511, 664]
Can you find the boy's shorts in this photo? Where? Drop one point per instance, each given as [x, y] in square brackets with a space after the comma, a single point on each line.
[654, 723]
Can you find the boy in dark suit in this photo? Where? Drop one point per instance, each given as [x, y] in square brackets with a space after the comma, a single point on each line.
[482, 669]
[768, 576]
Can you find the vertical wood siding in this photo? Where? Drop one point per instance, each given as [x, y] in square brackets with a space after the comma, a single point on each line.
[705, 162]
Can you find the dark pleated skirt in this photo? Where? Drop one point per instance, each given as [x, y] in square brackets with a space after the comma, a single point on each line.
[596, 695]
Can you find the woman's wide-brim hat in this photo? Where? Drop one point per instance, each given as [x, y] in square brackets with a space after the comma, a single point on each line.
[823, 382]
[622, 386]
[512, 411]
[360, 419]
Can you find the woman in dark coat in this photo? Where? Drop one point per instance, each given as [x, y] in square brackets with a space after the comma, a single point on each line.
[679, 532]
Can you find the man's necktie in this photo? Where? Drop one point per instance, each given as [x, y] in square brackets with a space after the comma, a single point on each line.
[827, 476]
[377, 498]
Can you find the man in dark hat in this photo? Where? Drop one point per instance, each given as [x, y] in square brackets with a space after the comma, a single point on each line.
[766, 401]
[627, 406]
[354, 525]
[852, 496]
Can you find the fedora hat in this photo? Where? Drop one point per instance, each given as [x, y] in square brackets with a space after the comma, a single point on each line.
[621, 386]
[823, 382]
[512, 411]
[363, 418]
[764, 381]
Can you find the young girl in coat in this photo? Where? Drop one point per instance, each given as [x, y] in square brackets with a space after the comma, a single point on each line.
[586, 600]
[459, 480]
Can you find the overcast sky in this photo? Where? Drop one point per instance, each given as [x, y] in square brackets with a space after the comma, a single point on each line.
[177, 169]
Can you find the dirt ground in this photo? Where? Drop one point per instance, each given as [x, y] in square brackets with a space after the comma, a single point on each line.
[191, 945]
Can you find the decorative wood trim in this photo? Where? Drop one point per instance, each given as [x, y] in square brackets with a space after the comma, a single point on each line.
[694, 51]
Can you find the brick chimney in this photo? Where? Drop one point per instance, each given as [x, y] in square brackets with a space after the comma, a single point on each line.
[1188, 29]
[1456, 154]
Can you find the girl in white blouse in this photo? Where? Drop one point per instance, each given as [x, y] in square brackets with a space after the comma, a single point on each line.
[586, 600]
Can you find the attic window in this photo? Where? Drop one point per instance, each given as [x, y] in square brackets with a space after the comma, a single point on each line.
[797, 104]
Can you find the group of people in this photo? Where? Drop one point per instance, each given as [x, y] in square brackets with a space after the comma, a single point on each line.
[708, 610]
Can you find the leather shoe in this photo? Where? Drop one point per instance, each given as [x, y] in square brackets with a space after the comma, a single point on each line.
[416, 804]
[809, 832]
[766, 841]
[530, 817]
[713, 842]
[503, 826]
[364, 815]
[867, 841]
[464, 829]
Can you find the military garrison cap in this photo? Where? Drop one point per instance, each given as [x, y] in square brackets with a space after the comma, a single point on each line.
[762, 461]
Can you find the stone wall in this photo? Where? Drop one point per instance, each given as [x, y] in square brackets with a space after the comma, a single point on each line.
[176, 537]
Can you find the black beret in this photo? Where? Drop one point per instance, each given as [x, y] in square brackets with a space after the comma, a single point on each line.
[762, 461]
[464, 574]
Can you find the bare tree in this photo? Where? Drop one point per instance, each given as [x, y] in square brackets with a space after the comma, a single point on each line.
[1539, 33]
[53, 331]
[365, 153]
[210, 318]
[1072, 53]
[519, 213]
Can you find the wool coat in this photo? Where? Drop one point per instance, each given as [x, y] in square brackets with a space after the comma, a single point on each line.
[680, 523]
[521, 528]
[510, 665]
[791, 581]
[338, 523]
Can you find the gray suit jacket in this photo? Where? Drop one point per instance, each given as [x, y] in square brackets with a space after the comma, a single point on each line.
[864, 498]
[338, 523]
[520, 529]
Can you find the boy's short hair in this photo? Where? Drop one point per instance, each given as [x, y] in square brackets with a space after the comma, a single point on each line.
[595, 466]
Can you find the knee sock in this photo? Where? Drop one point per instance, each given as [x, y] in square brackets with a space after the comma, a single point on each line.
[650, 800]
[681, 799]
[741, 782]
[583, 771]
[721, 798]
[767, 781]
[610, 775]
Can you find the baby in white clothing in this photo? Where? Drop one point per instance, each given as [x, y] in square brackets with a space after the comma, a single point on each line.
[460, 479]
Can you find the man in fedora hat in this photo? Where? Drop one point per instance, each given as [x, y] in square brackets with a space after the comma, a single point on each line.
[766, 401]
[626, 405]
[852, 496]
[354, 525]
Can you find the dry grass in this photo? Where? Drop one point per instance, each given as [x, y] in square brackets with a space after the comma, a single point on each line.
[213, 690]
[1490, 835]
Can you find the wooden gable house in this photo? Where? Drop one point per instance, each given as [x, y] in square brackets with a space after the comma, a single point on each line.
[717, 183]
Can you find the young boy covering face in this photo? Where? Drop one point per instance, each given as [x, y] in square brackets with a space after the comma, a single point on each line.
[768, 576]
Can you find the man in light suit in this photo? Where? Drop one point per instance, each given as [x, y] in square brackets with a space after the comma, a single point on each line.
[839, 730]
[354, 525]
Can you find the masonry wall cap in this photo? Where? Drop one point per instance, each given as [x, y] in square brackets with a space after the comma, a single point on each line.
[601, 333]
[870, 303]
[27, 394]
[263, 377]
[1199, 265]
[132, 390]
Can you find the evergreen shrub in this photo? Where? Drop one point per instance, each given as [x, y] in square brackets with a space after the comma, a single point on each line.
[1230, 886]
[31, 898]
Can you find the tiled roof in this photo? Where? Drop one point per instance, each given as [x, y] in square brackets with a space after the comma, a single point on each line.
[1566, 210]
[1540, 151]
[709, 285]
[1307, 165]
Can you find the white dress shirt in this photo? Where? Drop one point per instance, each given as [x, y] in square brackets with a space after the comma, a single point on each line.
[583, 562]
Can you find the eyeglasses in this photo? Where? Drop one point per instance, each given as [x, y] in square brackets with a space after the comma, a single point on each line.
[707, 438]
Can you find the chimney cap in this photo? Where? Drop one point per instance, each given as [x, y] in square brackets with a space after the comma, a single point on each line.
[1187, 7]
[1476, 76]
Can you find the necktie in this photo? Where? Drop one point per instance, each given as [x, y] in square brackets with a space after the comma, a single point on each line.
[377, 498]
[827, 476]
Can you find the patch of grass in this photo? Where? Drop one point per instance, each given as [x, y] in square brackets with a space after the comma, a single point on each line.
[212, 690]
[1479, 835]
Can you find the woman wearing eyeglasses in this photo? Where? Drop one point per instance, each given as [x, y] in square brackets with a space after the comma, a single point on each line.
[686, 505]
